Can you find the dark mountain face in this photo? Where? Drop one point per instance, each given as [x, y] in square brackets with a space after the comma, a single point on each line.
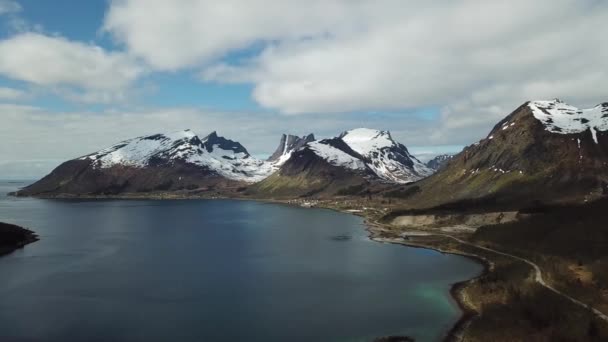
[439, 161]
[288, 144]
[545, 151]
[79, 177]
[213, 140]
[306, 174]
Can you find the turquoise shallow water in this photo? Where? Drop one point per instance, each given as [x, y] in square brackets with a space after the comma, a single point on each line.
[215, 271]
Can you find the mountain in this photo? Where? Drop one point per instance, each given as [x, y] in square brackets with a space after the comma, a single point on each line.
[439, 161]
[543, 152]
[388, 159]
[182, 162]
[343, 165]
[160, 162]
[288, 144]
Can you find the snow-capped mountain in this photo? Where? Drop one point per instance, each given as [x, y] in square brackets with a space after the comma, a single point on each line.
[288, 144]
[354, 158]
[181, 161]
[391, 161]
[545, 151]
[178, 161]
[365, 149]
[226, 157]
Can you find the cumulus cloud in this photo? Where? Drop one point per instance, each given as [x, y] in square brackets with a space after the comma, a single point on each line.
[476, 59]
[9, 6]
[83, 70]
[171, 35]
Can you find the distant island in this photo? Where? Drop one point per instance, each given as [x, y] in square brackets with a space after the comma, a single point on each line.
[13, 237]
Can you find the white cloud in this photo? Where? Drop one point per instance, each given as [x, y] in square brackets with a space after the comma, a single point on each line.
[176, 34]
[475, 59]
[69, 66]
[11, 94]
[9, 6]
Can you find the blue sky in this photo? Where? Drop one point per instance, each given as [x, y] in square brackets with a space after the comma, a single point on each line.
[76, 76]
[82, 20]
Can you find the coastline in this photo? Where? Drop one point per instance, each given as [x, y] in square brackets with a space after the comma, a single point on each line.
[374, 229]
[16, 238]
[458, 330]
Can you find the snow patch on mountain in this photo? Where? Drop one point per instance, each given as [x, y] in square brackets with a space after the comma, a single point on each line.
[366, 141]
[288, 144]
[225, 157]
[335, 156]
[138, 152]
[562, 118]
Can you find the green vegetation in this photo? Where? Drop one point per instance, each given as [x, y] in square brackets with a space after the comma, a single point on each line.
[278, 185]
[351, 190]
[403, 192]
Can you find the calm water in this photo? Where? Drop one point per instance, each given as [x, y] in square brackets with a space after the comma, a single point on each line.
[215, 271]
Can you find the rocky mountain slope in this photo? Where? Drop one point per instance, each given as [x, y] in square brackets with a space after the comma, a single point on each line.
[288, 144]
[439, 161]
[161, 162]
[543, 152]
[181, 161]
[343, 165]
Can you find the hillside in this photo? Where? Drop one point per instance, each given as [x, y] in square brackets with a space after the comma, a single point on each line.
[543, 152]
[351, 164]
[178, 161]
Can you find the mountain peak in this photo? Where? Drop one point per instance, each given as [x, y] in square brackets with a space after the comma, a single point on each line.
[366, 133]
[287, 145]
[213, 141]
[212, 135]
[365, 140]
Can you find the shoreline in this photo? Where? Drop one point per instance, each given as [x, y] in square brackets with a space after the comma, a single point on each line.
[25, 237]
[456, 289]
[371, 226]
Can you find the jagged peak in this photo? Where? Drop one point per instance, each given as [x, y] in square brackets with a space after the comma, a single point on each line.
[287, 145]
[214, 140]
[210, 136]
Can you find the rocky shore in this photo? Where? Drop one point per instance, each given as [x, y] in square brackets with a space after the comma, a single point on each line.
[13, 237]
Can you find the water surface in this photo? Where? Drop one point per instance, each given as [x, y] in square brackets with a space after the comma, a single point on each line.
[200, 270]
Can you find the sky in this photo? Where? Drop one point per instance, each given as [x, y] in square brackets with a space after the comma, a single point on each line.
[77, 76]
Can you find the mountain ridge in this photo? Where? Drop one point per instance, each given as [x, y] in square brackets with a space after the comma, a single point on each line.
[181, 161]
[547, 154]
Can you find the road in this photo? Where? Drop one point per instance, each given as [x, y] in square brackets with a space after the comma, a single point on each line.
[538, 276]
